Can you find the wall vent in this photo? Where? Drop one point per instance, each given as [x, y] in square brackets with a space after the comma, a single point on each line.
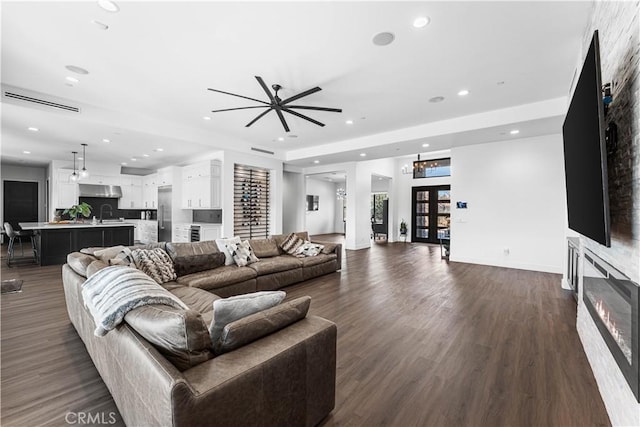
[262, 151]
[43, 102]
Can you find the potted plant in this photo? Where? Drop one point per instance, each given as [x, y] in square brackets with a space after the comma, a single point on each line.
[403, 227]
[83, 209]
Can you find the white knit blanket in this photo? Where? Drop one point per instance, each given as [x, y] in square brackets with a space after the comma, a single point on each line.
[114, 291]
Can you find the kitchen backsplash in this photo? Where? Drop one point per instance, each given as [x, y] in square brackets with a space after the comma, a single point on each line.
[96, 202]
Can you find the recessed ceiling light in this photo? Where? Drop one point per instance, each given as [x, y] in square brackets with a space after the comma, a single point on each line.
[106, 140]
[206, 118]
[437, 99]
[100, 25]
[425, 145]
[280, 138]
[145, 155]
[316, 161]
[363, 154]
[159, 150]
[133, 159]
[72, 79]
[383, 39]
[26, 152]
[80, 158]
[108, 5]
[421, 21]
[33, 129]
[463, 92]
[349, 122]
[514, 132]
[76, 69]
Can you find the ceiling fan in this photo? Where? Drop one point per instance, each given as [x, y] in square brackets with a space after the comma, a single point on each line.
[279, 105]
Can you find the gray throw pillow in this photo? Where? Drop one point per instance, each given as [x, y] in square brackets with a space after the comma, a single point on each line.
[230, 309]
[291, 243]
[155, 263]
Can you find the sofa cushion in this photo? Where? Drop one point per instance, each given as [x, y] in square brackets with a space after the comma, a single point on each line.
[219, 277]
[106, 254]
[195, 263]
[227, 310]
[257, 325]
[276, 264]
[221, 243]
[156, 263]
[79, 262]
[329, 248]
[318, 259]
[196, 299]
[264, 248]
[194, 248]
[180, 335]
[242, 253]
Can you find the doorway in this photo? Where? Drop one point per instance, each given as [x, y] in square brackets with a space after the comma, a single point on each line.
[430, 212]
[20, 202]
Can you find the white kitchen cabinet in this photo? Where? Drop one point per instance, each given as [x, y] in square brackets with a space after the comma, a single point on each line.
[66, 191]
[165, 176]
[201, 185]
[150, 192]
[100, 180]
[131, 192]
[210, 232]
[181, 233]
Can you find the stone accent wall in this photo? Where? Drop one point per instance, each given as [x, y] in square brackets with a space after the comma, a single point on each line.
[618, 25]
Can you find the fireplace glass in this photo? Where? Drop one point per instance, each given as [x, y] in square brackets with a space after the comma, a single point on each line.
[612, 301]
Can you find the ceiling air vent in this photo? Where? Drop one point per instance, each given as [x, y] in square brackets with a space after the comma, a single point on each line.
[44, 102]
[262, 151]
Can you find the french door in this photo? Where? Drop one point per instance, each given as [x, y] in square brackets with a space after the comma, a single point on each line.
[430, 212]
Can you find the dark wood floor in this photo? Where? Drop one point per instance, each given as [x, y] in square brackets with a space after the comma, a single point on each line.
[421, 342]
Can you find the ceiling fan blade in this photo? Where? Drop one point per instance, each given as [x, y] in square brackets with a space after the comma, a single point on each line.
[304, 107]
[265, 88]
[301, 94]
[258, 117]
[239, 96]
[284, 123]
[295, 113]
[239, 108]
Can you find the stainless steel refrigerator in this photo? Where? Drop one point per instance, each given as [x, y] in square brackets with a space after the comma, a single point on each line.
[164, 213]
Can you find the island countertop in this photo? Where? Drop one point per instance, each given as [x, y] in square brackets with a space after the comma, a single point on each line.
[58, 226]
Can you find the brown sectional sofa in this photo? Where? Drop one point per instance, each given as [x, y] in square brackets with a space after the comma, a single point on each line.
[171, 378]
[275, 269]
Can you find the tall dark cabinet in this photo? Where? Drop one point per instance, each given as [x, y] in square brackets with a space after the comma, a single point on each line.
[430, 212]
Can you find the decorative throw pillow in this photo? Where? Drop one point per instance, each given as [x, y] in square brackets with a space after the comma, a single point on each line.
[122, 258]
[230, 309]
[155, 263]
[221, 243]
[291, 243]
[309, 249]
[107, 253]
[329, 247]
[242, 253]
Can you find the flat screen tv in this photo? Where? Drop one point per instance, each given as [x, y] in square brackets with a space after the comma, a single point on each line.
[585, 154]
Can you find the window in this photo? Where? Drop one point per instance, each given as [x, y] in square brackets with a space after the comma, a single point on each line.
[432, 168]
[251, 202]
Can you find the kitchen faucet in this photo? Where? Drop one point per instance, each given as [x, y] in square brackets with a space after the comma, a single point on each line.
[110, 210]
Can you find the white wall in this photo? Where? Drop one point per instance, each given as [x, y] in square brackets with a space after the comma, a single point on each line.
[321, 221]
[516, 201]
[293, 202]
[27, 174]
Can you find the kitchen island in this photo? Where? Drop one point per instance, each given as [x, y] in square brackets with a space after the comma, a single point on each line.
[55, 240]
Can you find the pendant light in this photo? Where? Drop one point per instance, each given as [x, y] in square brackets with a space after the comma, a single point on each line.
[74, 176]
[84, 173]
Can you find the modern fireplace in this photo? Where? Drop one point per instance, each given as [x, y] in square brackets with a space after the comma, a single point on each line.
[612, 300]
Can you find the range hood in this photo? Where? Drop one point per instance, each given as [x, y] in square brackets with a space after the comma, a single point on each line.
[106, 191]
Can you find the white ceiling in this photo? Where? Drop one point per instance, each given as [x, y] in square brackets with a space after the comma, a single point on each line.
[149, 74]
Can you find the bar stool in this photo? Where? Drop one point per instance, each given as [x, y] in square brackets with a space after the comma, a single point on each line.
[13, 234]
